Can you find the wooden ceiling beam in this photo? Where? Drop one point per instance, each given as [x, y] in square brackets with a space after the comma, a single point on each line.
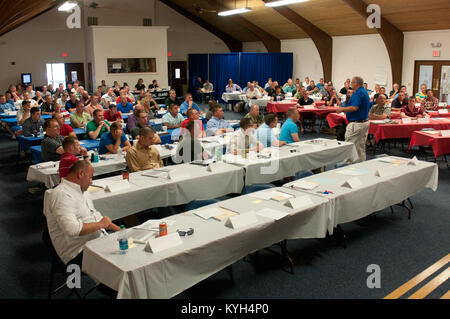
[233, 44]
[271, 43]
[323, 41]
[393, 38]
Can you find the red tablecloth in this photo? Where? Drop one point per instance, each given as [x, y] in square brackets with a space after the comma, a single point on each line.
[440, 144]
[436, 114]
[319, 103]
[278, 107]
[335, 119]
[400, 130]
[318, 111]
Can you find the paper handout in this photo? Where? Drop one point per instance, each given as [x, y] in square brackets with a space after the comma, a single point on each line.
[299, 202]
[305, 185]
[116, 186]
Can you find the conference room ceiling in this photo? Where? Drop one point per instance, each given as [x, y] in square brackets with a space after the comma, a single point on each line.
[334, 17]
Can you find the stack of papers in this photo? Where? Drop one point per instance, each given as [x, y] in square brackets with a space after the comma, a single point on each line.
[305, 185]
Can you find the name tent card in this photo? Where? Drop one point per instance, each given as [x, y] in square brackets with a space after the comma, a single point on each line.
[158, 244]
[445, 132]
[113, 187]
[242, 220]
[352, 183]
[271, 213]
[299, 202]
[385, 171]
[406, 120]
[423, 120]
[309, 107]
[413, 162]
[216, 167]
[443, 111]
[331, 143]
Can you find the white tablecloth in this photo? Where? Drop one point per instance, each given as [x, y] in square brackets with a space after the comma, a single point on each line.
[149, 192]
[283, 163]
[212, 247]
[375, 193]
[232, 96]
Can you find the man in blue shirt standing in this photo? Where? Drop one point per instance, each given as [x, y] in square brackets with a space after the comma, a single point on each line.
[188, 102]
[357, 111]
[289, 130]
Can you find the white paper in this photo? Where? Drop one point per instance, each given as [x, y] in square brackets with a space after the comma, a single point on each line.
[350, 172]
[178, 174]
[385, 171]
[352, 183]
[272, 213]
[241, 221]
[260, 195]
[445, 132]
[158, 244]
[331, 143]
[303, 184]
[299, 202]
[423, 120]
[309, 107]
[280, 194]
[208, 213]
[217, 167]
[443, 111]
[406, 120]
[113, 187]
[154, 223]
[46, 165]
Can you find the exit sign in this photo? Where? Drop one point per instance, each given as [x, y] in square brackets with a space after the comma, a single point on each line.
[436, 53]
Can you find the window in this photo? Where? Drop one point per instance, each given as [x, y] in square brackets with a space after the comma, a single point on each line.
[132, 65]
[56, 73]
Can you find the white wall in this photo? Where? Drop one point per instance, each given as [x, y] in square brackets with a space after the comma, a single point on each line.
[151, 41]
[306, 58]
[417, 46]
[253, 47]
[363, 55]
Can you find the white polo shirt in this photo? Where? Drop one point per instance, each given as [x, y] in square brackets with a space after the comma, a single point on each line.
[67, 209]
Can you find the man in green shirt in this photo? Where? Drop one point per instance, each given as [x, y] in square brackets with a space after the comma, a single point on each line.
[97, 126]
[79, 118]
[254, 115]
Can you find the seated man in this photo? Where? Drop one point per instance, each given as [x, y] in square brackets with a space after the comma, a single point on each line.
[24, 112]
[154, 85]
[324, 92]
[124, 107]
[5, 105]
[34, 123]
[112, 115]
[420, 96]
[114, 141]
[72, 220]
[289, 130]
[189, 148]
[380, 110]
[312, 88]
[217, 125]
[79, 118]
[400, 102]
[333, 99]
[412, 110]
[264, 133]
[142, 118]
[231, 87]
[48, 107]
[270, 90]
[71, 148]
[109, 98]
[132, 119]
[143, 156]
[382, 92]
[278, 95]
[51, 145]
[290, 87]
[430, 103]
[244, 140]
[192, 115]
[94, 105]
[172, 99]
[254, 115]
[98, 126]
[306, 100]
[188, 103]
[252, 92]
[72, 103]
[64, 129]
[173, 118]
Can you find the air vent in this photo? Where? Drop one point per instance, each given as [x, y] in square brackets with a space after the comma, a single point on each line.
[92, 21]
[146, 22]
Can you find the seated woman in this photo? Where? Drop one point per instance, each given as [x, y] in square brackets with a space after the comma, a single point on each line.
[412, 110]
[114, 140]
[278, 95]
[244, 139]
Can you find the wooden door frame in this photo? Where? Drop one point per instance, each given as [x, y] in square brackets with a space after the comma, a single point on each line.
[437, 71]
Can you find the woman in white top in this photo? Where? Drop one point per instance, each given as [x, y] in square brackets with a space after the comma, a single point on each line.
[244, 138]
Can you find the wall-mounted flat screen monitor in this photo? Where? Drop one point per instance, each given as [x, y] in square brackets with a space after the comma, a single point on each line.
[26, 78]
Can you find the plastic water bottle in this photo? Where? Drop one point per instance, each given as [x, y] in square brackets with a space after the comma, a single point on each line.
[123, 240]
[41, 131]
[219, 154]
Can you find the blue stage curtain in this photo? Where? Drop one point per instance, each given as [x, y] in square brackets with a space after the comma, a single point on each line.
[261, 66]
[198, 67]
[222, 67]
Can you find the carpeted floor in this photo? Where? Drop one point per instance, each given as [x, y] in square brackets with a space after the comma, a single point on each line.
[324, 269]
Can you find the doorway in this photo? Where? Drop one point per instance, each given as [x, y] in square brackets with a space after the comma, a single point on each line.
[436, 75]
[75, 72]
[178, 76]
[56, 74]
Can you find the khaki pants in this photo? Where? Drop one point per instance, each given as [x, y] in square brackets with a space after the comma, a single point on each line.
[356, 133]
